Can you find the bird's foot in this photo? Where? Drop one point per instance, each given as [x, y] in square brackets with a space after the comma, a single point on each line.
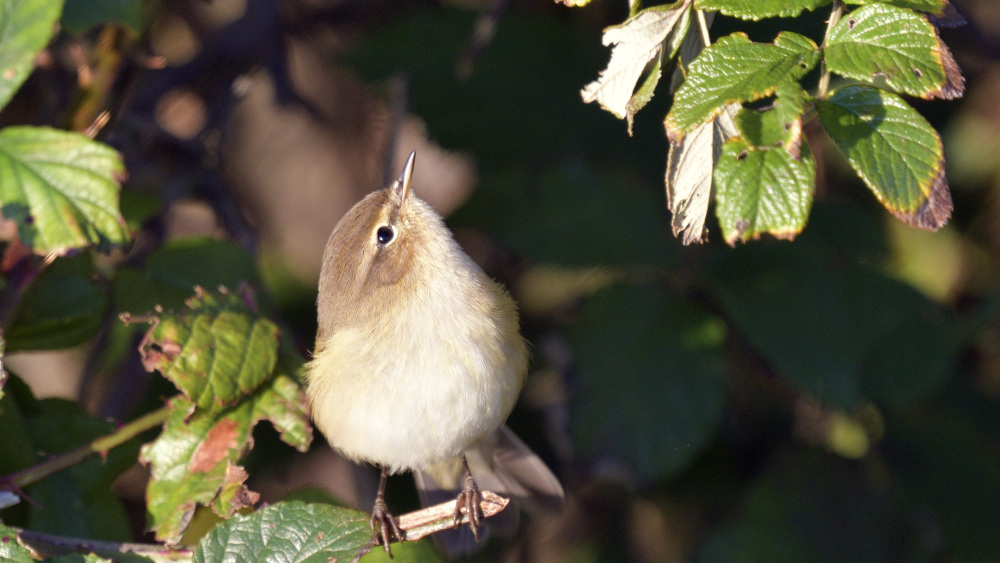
[470, 499]
[387, 525]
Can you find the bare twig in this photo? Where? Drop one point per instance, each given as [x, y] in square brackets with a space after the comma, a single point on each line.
[48, 545]
[426, 521]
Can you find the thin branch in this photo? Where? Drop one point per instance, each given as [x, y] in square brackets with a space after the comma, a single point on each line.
[824, 77]
[101, 445]
[418, 524]
[48, 545]
[703, 27]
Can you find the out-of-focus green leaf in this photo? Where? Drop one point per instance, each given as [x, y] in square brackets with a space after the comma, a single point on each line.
[637, 42]
[652, 386]
[947, 466]
[215, 352]
[25, 28]
[895, 46]
[293, 532]
[63, 307]
[422, 551]
[762, 189]
[759, 9]
[194, 459]
[80, 558]
[10, 550]
[61, 189]
[779, 520]
[893, 149]
[736, 70]
[572, 216]
[931, 6]
[837, 331]
[80, 15]
[76, 502]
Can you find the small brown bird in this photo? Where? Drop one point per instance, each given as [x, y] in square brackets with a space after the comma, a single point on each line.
[419, 357]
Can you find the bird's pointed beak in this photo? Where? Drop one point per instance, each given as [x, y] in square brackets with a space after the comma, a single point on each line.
[402, 186]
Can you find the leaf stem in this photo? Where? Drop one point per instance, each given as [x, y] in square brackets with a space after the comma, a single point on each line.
[51, 545]
[703, 27]
[101, 445]
[824, 77]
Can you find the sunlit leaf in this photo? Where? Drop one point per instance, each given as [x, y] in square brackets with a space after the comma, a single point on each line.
[893, 149]
[61, 189]
[637, 42]
[880, 43]
[25, 28]
[931, 6]
[736, 70]
[216, 351]
[759, 9]
[689, 174]
[292, 532]
[11, 550]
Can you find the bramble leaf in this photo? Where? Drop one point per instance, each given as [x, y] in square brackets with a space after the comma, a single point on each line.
[292, 532]
[25, 28]
[689, 174]
[11, 551]
[736, 70]
[215, 352]
[895, 46]
[637, 42]
[894, 151]
[931, 6]
[61, 189]
[759, 9]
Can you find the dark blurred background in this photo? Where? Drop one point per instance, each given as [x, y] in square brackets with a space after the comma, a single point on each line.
[831, 398]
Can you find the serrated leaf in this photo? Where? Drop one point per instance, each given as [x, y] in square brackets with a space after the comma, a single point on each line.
[63, 307]
[931, 6]
[79, 16]
[61, 189]
[689, 174]
[215, 352]
[759, 9]
[781, 124]
[292, 532]
[636, 42]
[664, 372]
[25, 28]
[762, 190]
[880, 43]
[11, 551]
[194, 460]
[736, 70]
[894, 151]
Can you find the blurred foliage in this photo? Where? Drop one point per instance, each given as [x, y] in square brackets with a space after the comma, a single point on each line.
[831, 398]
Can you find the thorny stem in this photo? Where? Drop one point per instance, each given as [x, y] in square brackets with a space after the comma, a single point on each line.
[824, 77]
[33, 474]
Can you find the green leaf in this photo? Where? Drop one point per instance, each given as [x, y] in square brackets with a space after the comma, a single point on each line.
[689, 173]
[880, 43]
[894, 151]
[759, 9]
[63, 307]
[216, 352]
[61, 188]
[652, 395]
[79, 16]
[25, 28]
[80, 558]
[292, 532]
[194, 459]
[637, 42]
[932, 6]
[737, 70]
[11, 550]
[762, 190]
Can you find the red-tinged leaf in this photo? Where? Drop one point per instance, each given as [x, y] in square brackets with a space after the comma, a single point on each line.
[894, 151]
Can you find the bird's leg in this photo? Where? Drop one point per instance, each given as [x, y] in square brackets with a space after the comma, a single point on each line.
[384, 520]
[471, 500]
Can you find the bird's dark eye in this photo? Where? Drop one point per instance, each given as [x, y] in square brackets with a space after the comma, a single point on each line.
[384, 235]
